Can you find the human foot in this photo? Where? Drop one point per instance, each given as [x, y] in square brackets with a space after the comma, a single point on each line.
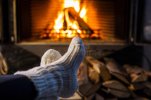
[59, 78]
[49, 56]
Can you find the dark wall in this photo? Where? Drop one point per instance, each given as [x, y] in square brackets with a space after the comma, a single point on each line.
[5, 21]
[147, 21]
[147, 57]
[23, 19]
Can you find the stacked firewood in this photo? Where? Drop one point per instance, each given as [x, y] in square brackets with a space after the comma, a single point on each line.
[3, 65]
[106, 80]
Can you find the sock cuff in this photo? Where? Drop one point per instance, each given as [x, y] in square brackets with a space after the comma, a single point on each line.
[48, 84]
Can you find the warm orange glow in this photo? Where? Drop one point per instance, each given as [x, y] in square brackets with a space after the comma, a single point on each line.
[83, 13]
[59, 22]
[72, 26]
[72, 3]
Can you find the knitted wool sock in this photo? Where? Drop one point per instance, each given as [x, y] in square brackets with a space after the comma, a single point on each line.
[58, 78]
[49, 56]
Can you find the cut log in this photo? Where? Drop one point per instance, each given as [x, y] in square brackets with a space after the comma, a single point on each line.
[82, 74]
[133, 69]
[91, 97]
[120, 77]
[148, 73]
[81, 22]
[114, 67]
[136, 86]
[99, 67]
[133, 82]
[88, 89]
[138, 77]
[137, 70]
[99, 97]
[93, 75]
[111, 99]
[141, 98]
[119, 94]
[3, 65]
[114, 84]
[117, 89]
[147, 84]
[147, 91]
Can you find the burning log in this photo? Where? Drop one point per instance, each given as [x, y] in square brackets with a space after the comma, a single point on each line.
[73, 14]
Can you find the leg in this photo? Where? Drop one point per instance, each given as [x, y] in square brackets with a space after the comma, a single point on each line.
[58, 78]
[17, 87]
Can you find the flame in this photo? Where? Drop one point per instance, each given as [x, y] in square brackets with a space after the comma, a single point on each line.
[72, 3]
[59, 22]
[71, 25]
[83, 13]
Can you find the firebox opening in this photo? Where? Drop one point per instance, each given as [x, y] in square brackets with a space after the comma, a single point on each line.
[60, 20]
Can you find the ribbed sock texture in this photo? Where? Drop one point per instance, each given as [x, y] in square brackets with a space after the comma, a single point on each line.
[48, 57]
[58, 78]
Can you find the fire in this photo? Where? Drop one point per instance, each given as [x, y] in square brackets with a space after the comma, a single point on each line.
[83, 13]
[59, 22]
[72, 3]
[64, 25]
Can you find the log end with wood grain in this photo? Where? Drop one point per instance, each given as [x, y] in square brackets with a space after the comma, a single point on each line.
[106, 80]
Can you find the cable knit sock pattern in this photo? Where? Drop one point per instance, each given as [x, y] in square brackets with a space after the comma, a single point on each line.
[58, 78]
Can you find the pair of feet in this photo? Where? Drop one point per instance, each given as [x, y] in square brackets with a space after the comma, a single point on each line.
[57, 75]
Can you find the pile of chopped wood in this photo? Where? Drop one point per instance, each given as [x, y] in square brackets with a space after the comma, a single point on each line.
[3, 65]
[106, 80]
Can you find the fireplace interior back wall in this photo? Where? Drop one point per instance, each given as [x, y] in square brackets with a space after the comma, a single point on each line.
[108, 16]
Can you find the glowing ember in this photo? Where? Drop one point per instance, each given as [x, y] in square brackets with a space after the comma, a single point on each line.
[64, 25]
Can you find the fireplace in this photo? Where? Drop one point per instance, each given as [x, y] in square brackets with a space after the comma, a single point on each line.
[109, 28]
[96, 21]
[107, 25]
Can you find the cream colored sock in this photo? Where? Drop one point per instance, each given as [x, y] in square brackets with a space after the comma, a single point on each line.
[58, 78]
[50, 56]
